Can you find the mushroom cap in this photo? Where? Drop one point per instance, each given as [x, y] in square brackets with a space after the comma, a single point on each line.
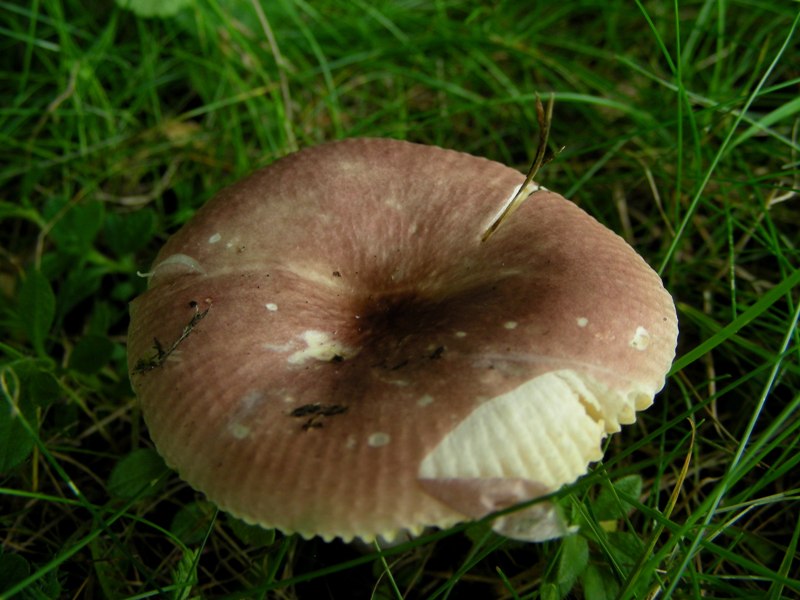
[338, 354]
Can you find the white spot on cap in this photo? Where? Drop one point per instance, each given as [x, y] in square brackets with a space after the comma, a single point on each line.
[350, 442]
[214, 238]
[510, 324]
[641, 339]
[321, 347]
[280, 347]
[251, 398]
[271, 306]
[582, 321]
[239, 431]
[242, 413]
[412, 229]
[392, 202]
[378, 439]
[425, 400]
[461, 334]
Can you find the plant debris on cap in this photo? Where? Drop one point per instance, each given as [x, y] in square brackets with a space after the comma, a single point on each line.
[328, 348]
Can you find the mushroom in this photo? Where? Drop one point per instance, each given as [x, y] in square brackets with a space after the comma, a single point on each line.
[328, 348]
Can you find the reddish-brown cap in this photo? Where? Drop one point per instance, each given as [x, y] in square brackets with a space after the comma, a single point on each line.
[328, 348]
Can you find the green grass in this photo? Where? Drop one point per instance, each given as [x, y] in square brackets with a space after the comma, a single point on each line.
[681, 123]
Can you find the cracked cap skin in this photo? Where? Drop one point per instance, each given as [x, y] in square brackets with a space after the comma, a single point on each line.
[367, 365]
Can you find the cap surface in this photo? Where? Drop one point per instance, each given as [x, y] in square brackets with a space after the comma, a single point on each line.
[338, 354]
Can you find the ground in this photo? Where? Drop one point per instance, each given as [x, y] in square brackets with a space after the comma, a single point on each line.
[679, 127]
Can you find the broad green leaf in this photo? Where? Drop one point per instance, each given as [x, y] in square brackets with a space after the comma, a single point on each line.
[125, 290]
[102, 318]
[49, 585]
[140, 473]
[75, 230]
[599, 583]
[573, 561]
[191, 522]
[609, 506]
[91, 354]
[549, 591]
[625, 547]
[252, 535]
[25, 389]
[110, 562]
[15, 441]
[65, 417]
[154, 8]
[40, 388]
[79, 284]
[37, 307]
[13, 569]
[130, 232]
